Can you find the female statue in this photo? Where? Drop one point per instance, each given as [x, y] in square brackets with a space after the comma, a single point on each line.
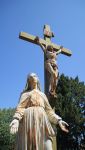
[33, 117]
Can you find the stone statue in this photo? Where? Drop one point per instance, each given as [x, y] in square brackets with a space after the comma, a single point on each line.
[51, 65]
[33, 117]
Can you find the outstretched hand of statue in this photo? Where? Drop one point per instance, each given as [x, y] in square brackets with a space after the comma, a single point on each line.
[61, 47]
[14, 126]
[64, 126]
[37, 39]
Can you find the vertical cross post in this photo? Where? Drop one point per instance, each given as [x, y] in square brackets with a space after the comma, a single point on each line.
[47, 37]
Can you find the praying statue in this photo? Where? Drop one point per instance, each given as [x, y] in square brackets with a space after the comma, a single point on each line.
[51, 65]
[33, 117]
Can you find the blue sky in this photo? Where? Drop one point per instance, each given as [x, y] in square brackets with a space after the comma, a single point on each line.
[18, 57]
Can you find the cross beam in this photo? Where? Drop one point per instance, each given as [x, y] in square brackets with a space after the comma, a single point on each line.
[31, 38]
[48, 34]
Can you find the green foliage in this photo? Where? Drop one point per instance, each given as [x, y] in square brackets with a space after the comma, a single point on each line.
[6, 140]
[71, 94]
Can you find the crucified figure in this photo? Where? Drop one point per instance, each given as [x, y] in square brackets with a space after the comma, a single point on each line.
[51, 65]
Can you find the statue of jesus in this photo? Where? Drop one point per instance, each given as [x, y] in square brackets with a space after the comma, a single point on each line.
[51, 65]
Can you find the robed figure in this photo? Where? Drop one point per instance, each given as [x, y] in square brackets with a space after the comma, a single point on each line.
[33, 117]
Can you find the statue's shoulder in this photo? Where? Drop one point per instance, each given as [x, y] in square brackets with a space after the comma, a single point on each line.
[43, 94]
[25, 94]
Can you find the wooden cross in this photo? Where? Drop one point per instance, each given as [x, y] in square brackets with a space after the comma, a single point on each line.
[48, 34]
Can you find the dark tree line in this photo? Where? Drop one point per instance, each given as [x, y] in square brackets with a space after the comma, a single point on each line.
[70, 104]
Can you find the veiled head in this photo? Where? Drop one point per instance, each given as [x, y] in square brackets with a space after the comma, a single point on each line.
[50, 48]
[31, 79]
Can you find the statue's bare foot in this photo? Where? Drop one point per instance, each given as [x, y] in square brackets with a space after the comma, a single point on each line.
[53, 93]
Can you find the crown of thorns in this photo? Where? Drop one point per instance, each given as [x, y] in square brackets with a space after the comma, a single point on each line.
[49, 47]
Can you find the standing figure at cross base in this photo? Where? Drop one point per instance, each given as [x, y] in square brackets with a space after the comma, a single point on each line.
[51, 65]
[33, 118]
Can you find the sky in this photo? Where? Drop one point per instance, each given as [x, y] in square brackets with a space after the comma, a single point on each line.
[18, 58]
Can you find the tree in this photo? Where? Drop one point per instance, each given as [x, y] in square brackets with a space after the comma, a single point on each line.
[71, 93]
[7, 141]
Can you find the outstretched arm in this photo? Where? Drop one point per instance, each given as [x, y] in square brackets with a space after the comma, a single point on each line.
[21, 106]
[18, 114]
[41, 45]
[55, 118]
[50, 113]
[59, 51]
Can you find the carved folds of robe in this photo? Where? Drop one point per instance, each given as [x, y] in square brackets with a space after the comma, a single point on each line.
[35, 116]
